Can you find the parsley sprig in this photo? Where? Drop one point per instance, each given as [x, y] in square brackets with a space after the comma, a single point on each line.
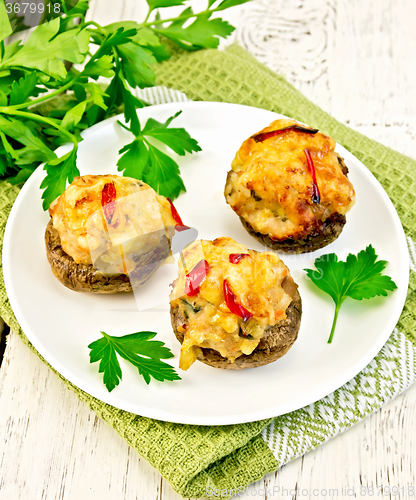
[45, 101]
[139, 350]
[359, 277]
[143, 160]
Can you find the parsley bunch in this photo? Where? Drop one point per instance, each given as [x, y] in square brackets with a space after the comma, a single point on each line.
[46, 102]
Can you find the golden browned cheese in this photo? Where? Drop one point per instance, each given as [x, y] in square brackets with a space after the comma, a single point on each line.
[139, 215]
[256, 282]
[271, 187]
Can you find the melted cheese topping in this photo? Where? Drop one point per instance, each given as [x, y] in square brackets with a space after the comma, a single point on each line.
[270, 185]
[256, 282]
[140, 217]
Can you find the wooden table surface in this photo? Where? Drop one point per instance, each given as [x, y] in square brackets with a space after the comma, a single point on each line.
[354, 58]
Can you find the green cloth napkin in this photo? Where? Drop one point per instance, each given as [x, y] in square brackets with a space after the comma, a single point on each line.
[201, 461]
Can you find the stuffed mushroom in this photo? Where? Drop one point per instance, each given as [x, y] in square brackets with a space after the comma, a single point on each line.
[232, 307]
[108, 234]
[290, 188]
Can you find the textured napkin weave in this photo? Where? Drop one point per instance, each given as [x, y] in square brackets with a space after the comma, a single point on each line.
[209, 462]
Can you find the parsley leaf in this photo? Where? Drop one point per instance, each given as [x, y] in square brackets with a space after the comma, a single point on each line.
[7, 147]
[163, 174]
[20, 131]
[112, 99]
[59, 172]
[9, 50]
[142, 160]
[79, 9]
[358, 278]
[118, 37]
[139, 350]
[22, 175]
[73, 116]
[46, 48]
[177, 139]
[156, 4]
[226, 4]
[5, 27]
[135, 159]
[103, 351]
[102, 66]
[130, 104]
[202, 32]
[144, 37]
[97, 95]
[136, 64]
[23, 88]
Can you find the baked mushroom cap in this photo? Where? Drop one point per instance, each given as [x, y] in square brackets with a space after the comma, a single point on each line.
[108, 234]
[232, 307]
[290, 188]
[85, 278]
[274, 344]
[322, 234]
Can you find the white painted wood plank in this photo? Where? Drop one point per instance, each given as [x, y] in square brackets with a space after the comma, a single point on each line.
[53, 446]
[107, 11]
[377, 452]
[354, 59]
[64, 451]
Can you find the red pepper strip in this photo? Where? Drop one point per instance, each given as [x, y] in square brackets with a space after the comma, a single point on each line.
[316, 196]
[233, 305]
[235, 258]
[108, 196]
[297, 128]
[180, 226]
[196, 277]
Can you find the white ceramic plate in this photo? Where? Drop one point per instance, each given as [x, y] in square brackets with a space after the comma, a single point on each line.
[61, 323]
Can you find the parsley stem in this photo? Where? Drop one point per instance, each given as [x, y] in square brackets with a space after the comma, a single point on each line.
[62, 89]
[334, 323]
[124, 126]
[179, 18]
[62, 2]
[47, 96]
[92, 23]
[147, 17]
[41, 119]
